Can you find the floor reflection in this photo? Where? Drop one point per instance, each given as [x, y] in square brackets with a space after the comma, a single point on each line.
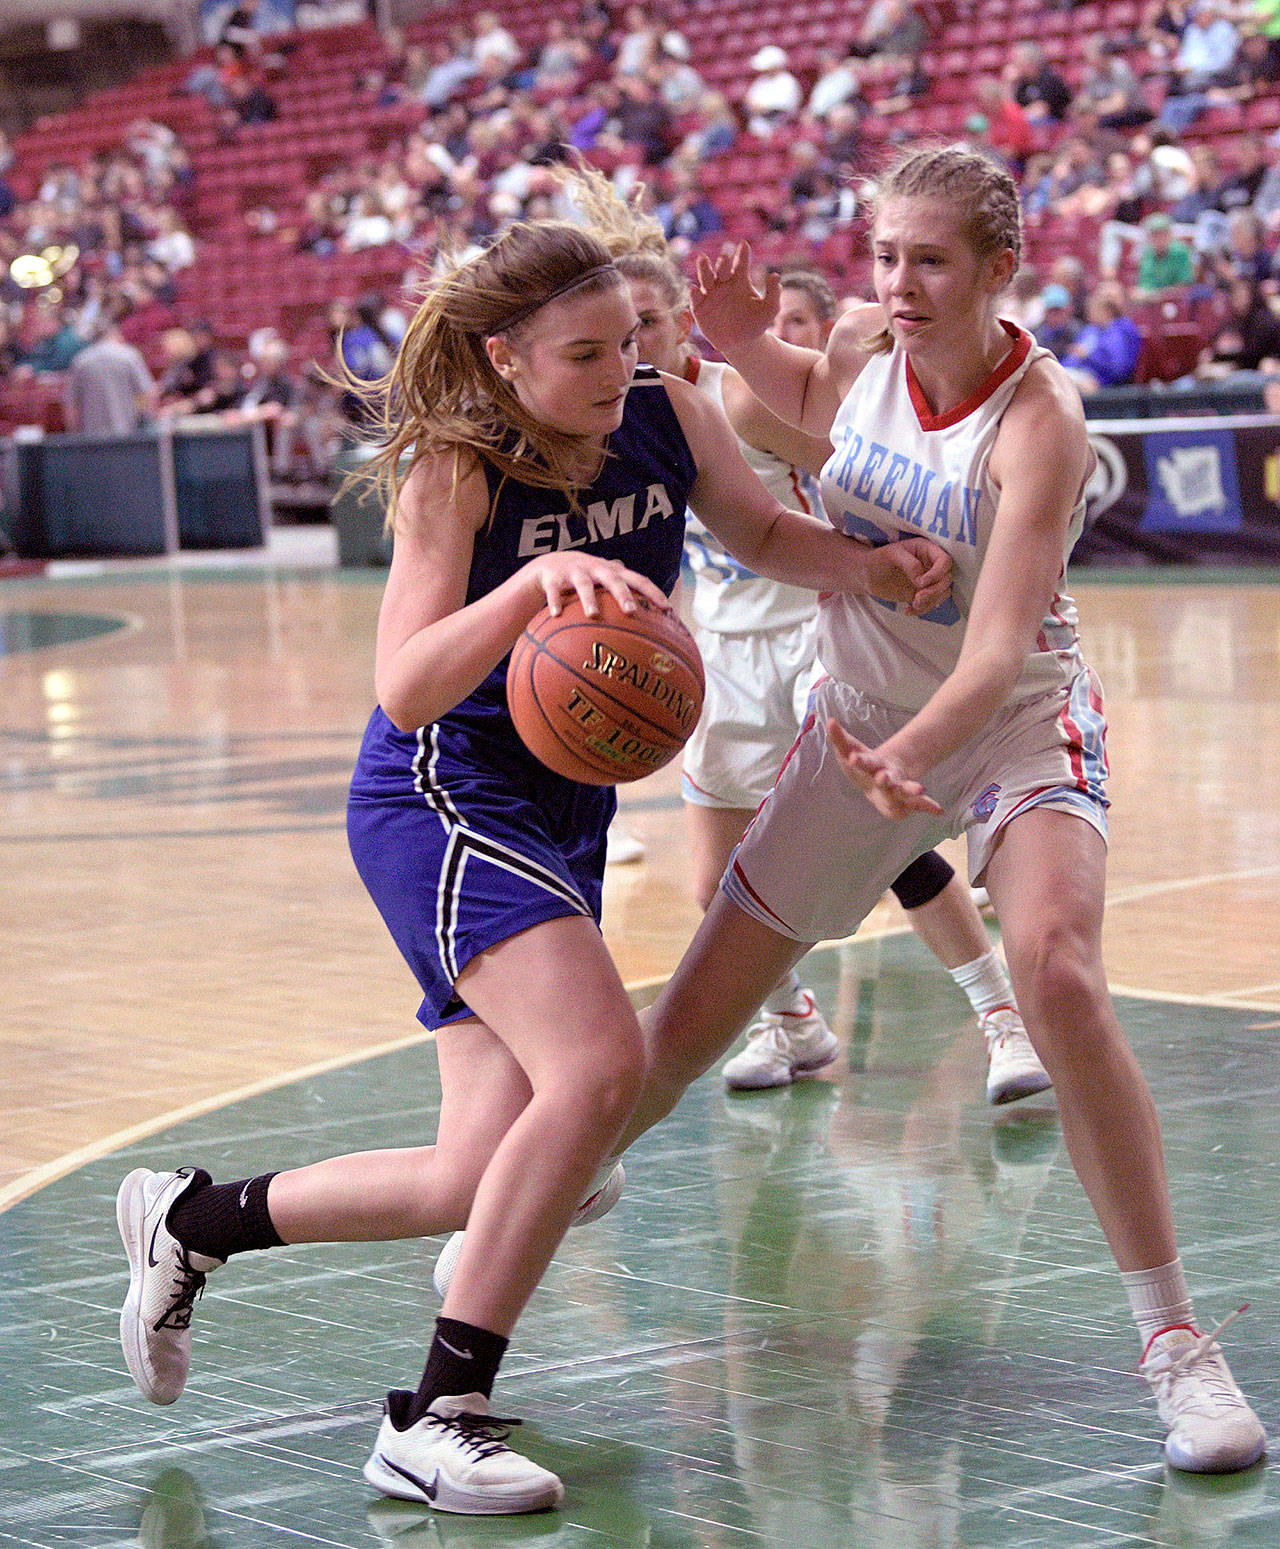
[174, 1515]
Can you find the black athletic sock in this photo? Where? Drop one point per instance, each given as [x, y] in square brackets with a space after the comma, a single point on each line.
[220, 1219]
[462, 1359]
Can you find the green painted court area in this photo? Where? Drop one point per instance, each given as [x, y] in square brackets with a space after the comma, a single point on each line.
[867, 1312]
[35, 631]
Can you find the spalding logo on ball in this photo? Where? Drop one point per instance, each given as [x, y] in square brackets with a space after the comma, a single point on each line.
[609, 699]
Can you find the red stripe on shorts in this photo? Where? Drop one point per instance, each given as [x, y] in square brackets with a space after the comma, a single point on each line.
[760, 903]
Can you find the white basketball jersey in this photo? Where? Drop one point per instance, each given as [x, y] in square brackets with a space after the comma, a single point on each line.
[898, 470]
[727, 597]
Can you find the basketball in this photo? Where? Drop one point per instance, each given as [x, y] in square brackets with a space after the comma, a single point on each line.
[609, 699]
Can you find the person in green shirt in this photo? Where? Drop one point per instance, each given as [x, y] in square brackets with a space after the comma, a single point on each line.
[1266, 17]
[1164, 262]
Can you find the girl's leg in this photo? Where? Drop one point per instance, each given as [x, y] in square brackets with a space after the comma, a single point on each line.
[1047, 882]
[791, 1037]
[553, 995]
[531, 1107]
[944, 916]
[713, 835]
[556, 1084]
[378, 1196]
[726, 971]
[940, 911]
[1046, 879]
[177, 1227]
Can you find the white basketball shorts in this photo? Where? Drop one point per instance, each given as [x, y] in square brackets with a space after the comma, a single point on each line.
[818, 856]
[757, 689]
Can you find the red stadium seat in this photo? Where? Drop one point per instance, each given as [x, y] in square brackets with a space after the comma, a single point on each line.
[324, 124]
[1168, 353]
[1263, 114]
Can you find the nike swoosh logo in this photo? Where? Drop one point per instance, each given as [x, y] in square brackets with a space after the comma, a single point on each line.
[463, 1355]
[152, 1260]
[244, 1195]
[429, 1490]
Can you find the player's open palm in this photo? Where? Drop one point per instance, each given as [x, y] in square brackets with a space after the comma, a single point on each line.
[729, 309]
[888, 790]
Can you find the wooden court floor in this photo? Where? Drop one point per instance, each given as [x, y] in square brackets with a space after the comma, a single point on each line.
[863, 1312]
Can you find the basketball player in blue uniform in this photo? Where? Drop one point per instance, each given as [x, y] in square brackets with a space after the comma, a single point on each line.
[539, 464]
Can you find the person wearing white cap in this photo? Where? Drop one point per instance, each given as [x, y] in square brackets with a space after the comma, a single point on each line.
[774, 95]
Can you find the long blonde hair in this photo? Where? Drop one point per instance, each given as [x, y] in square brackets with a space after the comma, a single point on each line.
[634, 238]
[442, 392]
[993, 216]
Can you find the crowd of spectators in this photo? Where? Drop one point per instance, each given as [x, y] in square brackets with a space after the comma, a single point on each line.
[100, 245]
[1113, 149]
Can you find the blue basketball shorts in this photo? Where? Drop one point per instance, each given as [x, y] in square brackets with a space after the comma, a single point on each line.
[460, 853]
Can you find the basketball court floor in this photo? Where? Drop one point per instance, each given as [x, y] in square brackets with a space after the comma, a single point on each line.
[865, 1311]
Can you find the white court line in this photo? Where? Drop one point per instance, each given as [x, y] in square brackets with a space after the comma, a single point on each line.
[1224, 1000]
[49, 1172]
[1128, 895]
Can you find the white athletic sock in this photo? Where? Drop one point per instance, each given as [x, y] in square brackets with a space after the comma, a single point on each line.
[986, 982]
[1159, 1298]
[787, 996]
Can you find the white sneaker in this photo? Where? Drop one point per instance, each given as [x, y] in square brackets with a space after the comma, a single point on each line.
[1013, 1067]
[1212, 1430]
[622, 848]
[781, 1048]
[596, 1204]
[164, 1281]
[456, 1458]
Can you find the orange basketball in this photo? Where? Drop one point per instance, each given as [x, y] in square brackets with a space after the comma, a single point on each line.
[609, 699]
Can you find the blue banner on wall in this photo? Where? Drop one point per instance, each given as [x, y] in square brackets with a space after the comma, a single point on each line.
[1191, 481]
[1192, 491]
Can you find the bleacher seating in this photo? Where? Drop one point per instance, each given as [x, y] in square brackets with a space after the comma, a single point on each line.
[242, 282]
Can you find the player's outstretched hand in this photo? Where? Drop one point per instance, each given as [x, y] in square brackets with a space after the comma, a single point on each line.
[881, 782]
[912, 572]
[729, 309]
[557, 576]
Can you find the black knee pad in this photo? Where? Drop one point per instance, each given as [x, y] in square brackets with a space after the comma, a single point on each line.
[923, 880]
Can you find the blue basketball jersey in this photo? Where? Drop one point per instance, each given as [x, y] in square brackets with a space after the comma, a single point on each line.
[462, 837]
[633, 512]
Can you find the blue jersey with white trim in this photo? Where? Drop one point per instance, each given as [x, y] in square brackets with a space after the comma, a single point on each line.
[632, 512]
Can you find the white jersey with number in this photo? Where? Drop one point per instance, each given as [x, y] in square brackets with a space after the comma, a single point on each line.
[897, 470]
[727, 597]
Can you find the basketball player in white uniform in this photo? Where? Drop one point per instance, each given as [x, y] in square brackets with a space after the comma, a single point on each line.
[979, 717]
[757, 642]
